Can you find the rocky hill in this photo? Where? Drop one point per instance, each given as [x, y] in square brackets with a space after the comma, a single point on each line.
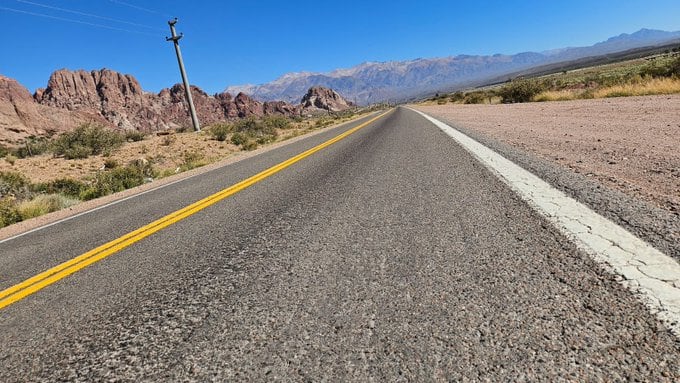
[21, 116]
[320, 98]
[381, 81]
[117, 100]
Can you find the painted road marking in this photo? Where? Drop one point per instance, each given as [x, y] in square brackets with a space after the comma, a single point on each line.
[46, 278]
[108, 204]
[652, 276]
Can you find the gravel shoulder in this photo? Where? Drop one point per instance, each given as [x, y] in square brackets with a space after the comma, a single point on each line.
[619, 156]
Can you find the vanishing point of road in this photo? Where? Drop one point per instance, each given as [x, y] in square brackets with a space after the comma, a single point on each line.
[391, 254]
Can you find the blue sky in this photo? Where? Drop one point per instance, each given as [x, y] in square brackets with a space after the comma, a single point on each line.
[237, 42]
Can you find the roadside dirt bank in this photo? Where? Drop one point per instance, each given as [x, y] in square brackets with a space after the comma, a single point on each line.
[630, 144]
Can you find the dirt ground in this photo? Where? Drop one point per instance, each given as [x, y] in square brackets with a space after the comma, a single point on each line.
[630, 144]
[166, 153]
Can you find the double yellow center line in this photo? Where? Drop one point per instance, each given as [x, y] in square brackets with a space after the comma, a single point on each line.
[46, 278]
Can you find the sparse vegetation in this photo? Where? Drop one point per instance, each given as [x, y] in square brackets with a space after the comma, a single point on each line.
[33, 146]
[66, 186]
[87, 140]
[642, 88]
[658, 74]
[20, 199]
[220, 132]
[9, 213]
[115, 180]
[520, 91]
[43, 204]
[192, 160]
[134, 136]
[11, 159]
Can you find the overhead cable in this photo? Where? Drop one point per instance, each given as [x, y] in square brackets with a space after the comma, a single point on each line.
[76, 21]
[88, 14]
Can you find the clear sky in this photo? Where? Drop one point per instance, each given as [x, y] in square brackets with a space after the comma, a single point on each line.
[249, 41]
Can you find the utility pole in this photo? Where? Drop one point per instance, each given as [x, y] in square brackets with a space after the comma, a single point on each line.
[175, 39]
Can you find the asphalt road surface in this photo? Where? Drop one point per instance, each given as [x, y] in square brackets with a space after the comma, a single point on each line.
[391, 255]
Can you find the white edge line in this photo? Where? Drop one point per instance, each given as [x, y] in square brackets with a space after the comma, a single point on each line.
[651, 275]
[96, 208]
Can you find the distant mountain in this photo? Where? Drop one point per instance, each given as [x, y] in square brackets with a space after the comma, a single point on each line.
[398, 80]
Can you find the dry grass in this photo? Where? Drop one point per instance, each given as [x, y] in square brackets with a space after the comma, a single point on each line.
[43, 204]
[641, 87]
[669, 85]
[560, 95]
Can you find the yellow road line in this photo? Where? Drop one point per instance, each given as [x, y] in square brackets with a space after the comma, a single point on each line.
[48, 277]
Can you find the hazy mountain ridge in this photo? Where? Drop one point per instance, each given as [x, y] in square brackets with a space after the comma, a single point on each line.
[381, 81]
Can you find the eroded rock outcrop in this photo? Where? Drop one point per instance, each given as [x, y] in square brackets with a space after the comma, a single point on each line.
[118, 100]
[21, 116]
[318, 97]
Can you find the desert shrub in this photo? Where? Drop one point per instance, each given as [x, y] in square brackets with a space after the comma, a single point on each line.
[65, 186]
[256, 128]
[666, 69]
[87, 140]
[4, 150]
[475, 98]
[112, 181]
[519, 91]
[145, 166]
[250, 133]
[277, 122]
[110, 163]
[9, 213]
[246, 125]
[32, 147]
[674, 67]
[457, 97]
[322, 122]
[239, 139]
[191, 160]
[134, 136]
[168, 140]
[14, 184]
[43, 204]
[11, 159]
[220, 132]
[250, 145]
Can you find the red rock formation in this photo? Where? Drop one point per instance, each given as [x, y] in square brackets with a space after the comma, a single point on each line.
[248, 107]
[117, 100]
[280, 108]
[117, 97]
[21, 116]
[318, 97]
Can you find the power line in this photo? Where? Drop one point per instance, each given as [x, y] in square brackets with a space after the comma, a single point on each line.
[88, 14]
[139, 8]
[76, 21]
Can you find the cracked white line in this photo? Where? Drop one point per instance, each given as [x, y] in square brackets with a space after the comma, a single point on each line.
[652, 276]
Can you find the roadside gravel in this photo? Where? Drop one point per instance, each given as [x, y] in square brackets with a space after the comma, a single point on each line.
[621, 157]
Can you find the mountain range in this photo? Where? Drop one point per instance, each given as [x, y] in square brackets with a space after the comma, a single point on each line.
[372, 82]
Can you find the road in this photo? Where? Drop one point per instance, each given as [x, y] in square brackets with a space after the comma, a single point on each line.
[391, 255]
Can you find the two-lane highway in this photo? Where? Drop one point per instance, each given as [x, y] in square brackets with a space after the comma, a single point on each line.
[391, 254]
